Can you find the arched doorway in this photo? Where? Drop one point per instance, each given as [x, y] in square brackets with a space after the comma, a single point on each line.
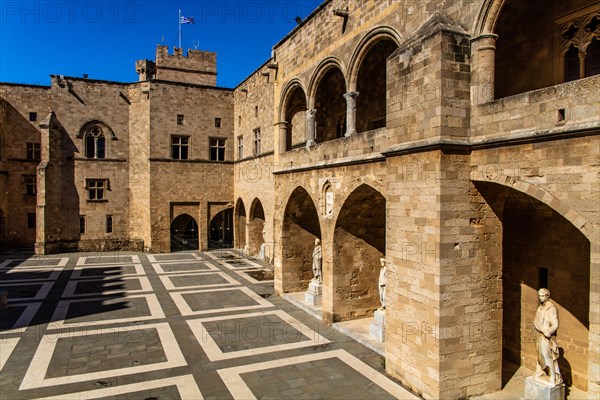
[371, 84]
[240, 225]
[256, 227]
[539, 248]
[358, 245]
[331, 106]
[184, 233]
[220, 230]
[300, 229]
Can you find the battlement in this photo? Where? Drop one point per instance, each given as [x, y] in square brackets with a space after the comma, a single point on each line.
[146, 69]
[197, 67]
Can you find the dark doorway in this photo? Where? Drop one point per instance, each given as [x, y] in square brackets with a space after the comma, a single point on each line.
[220, 230]
[184, 233]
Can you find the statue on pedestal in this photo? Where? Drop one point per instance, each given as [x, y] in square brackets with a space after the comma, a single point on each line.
[382, 273]
[546, 325]
[317, 261]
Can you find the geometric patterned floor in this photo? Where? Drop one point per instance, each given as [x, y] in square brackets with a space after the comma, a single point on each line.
[194, 325]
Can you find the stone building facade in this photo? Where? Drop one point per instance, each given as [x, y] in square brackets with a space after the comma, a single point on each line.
[459, 140]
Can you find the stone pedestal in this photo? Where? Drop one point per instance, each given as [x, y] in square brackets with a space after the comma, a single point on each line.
[538, 388]
[314, 294]
[261, 254]
[3, 300]
[377, 327]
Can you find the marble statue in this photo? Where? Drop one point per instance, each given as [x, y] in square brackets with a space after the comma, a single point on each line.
[546, 325]
[382, 273]
[317, 261]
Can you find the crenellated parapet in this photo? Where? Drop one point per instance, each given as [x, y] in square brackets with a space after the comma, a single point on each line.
[197, 67]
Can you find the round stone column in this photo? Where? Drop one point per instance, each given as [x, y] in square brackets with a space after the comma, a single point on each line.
[483, 49]
[350, 113]
[311, 127]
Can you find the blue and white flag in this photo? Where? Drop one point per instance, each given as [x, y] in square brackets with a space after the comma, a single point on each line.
[187, 20]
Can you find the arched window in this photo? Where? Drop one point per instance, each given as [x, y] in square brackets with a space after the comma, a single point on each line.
[580, 37]
[572, 67]
[592, 58]
[95, 143]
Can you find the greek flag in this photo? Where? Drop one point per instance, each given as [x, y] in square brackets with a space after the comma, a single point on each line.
[187, 20]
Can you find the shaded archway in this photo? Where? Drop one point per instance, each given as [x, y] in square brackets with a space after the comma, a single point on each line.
[358, 244]
[294, 113]
[184, 233]
[256, 227]
[300, 229]
[371, 83]
[535, 43]
[330, 105]
[220, 230]
[240, 225]
[539, 248]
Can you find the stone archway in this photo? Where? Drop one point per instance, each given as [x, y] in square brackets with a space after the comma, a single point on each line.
[358, 244]
[220, 230]
[371, 84]
[184, 233]
[299, 230]
[256, 226]
[529, 245]
[532, 42]
[330, 104]
[294, 115]
[240, 225]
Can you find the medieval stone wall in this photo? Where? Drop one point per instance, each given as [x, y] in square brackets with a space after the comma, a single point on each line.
[77, 102]
[169, 178]
[16, 131]
[254, 109]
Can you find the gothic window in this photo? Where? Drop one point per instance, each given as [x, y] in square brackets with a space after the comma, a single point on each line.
[579, 38]
[572, 68]
[95, 143]
[217, 149]
[592, 59]
[180, 147]
[96, 189]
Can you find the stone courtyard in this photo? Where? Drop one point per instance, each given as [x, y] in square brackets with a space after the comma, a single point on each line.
[459, 141]
[187, 325]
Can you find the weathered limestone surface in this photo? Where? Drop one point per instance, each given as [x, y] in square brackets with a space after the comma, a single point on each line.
[439, 135]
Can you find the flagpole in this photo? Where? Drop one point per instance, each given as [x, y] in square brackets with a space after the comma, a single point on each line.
[179, 28]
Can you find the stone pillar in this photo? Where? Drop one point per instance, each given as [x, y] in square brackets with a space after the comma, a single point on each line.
[483, 49]
[311, 127]
[283, 128]
[350, 113]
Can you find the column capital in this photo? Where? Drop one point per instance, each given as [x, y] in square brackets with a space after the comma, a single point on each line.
[351, 95]
[489, 36]
[484, 42]
[281, 124]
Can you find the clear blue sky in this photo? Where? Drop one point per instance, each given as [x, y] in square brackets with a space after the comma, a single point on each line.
[104, 38]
